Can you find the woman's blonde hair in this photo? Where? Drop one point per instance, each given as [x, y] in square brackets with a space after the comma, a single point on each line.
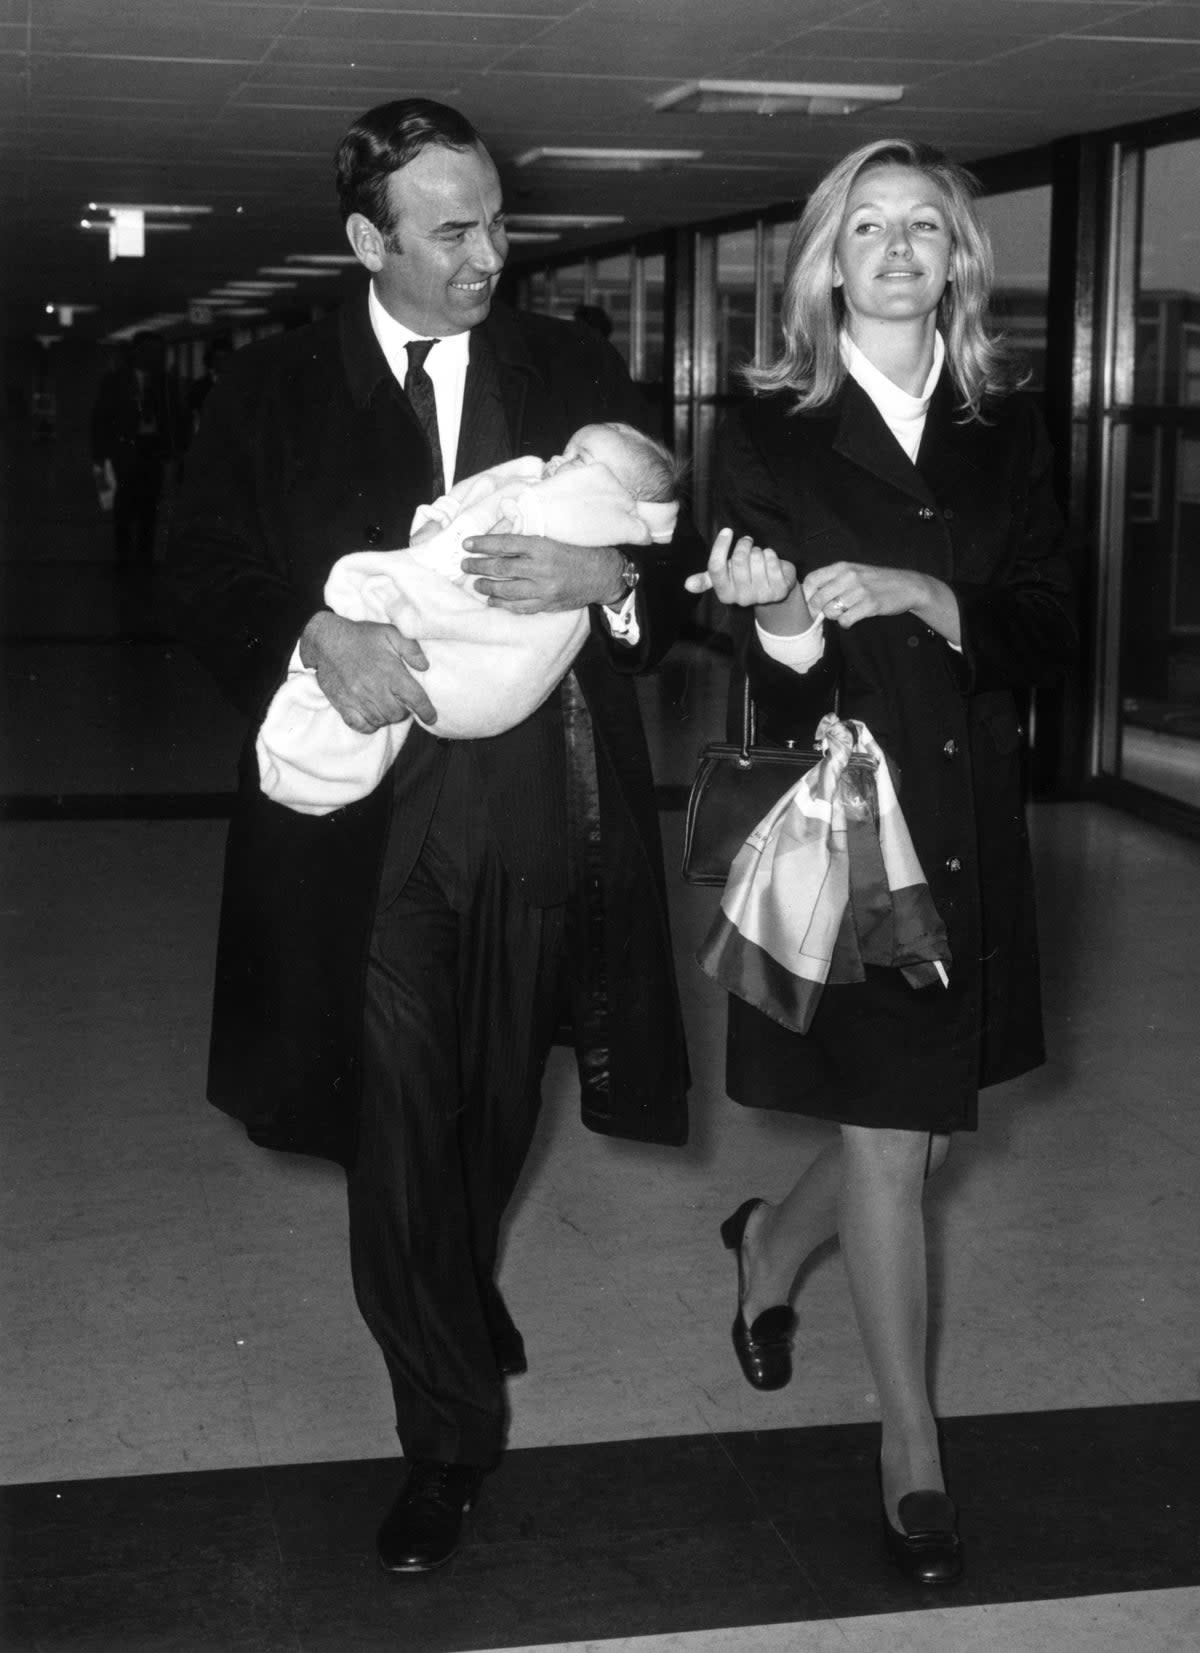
[812, 311]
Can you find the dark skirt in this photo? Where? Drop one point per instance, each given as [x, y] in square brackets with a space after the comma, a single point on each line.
[879, 1053]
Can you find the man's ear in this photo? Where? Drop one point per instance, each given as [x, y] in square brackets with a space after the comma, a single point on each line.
[366, 243]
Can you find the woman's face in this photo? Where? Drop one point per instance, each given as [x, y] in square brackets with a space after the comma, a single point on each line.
[892, 253]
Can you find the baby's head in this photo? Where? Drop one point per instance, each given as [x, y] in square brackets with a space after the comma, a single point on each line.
[648, 469]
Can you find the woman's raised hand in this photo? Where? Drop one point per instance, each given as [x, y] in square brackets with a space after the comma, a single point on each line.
[744, 575]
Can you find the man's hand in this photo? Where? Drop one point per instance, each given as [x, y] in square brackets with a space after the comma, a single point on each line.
[527, 574]
[365, 671]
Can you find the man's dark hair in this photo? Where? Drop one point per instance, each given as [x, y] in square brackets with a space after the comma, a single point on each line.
[385, 139]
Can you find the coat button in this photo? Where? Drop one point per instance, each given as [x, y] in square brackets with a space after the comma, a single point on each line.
[913, 642]
[926, 513]
[950, 750]
[373, 533]
[953, 864]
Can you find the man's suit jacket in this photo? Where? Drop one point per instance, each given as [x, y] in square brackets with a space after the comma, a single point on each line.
[977, 510]
[308, 450]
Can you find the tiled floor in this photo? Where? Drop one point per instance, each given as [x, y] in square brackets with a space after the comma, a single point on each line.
[195, 1431]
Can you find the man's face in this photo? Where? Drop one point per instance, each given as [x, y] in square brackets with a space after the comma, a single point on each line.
[437, 269]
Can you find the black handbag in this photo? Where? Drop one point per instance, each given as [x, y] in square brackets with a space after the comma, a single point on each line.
[735, 786]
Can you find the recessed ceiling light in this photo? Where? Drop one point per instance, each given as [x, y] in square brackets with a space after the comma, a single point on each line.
[561, 220]
[321, 258]
[168, 211]
[252, 287]
[296, 270]
[606, 160]
[106, 226]
[772, 97]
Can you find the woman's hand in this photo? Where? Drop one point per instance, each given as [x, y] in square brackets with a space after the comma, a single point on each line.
[847, 592]
[744, 575]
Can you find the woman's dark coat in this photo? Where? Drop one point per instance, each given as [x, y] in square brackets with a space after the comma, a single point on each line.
[309, 450]
[977, 511]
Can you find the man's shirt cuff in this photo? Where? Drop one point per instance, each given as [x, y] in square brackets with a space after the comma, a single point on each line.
[623, 622]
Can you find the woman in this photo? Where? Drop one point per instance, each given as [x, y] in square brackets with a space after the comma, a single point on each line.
[890, 520]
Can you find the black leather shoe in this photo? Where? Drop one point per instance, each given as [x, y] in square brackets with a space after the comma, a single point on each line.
[508, 1346]
[510, 1355]
[422, 1529]
[928, 1549]
[764, 1350]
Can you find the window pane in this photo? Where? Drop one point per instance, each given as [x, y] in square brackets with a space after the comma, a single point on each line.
[610, 293]
[1019, 225]
[735, 307]
[1156, 651]
[1160, 619]
[564, 290]
[655, 280]
[1168, 303]
[778, 237]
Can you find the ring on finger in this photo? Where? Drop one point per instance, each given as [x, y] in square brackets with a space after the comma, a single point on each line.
[838, 605]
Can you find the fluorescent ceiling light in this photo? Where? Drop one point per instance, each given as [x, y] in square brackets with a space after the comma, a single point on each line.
[250, 289]
[515, 236]
[606, 160]
[151, 324]
[106, 225]
[295, 270]
[321, 258]
[772, 97]
[167, 211]
[66, 313]
[561, 220]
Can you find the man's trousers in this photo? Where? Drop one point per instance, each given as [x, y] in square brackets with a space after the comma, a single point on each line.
[463, 995]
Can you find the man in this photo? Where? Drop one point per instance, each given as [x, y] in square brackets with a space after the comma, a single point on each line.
[391, 977]
[135, 431]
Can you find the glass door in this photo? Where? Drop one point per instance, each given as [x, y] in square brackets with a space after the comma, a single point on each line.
[1148, 733]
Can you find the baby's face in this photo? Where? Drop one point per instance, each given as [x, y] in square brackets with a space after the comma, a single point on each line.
[592, 445]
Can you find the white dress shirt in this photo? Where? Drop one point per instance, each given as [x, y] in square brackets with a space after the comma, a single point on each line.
[904, 415]
[446, 365]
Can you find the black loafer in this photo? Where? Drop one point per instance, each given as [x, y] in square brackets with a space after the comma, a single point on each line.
[928, 1550]
[423, 1527]
[764, 1349]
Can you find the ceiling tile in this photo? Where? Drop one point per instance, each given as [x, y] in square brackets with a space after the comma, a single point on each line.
[1017, 17]
[1169, 22]
[186, 82]
[397, 27]
[256, 123]
[396, 58]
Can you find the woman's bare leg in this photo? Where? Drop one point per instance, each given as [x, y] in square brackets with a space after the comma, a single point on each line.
[882, 1230]
[780, 1237]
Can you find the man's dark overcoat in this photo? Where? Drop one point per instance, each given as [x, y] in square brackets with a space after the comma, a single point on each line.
[309, 450]
[976, 510]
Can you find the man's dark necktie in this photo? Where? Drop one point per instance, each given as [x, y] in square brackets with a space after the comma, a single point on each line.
[418, 387]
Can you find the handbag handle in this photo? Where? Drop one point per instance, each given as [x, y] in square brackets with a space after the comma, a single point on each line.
[750, 719]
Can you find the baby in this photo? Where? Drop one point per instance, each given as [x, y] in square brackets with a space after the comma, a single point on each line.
[488, 668]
